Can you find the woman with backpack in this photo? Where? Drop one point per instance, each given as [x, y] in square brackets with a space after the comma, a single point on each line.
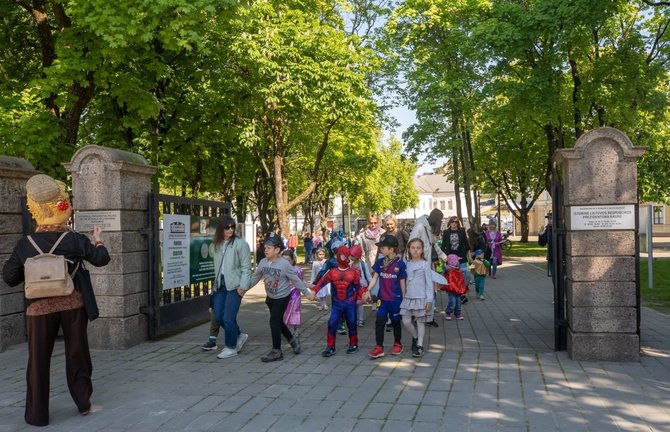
[49, 205]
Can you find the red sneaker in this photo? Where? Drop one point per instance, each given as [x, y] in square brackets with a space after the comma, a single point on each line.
[397, 349]
[377, 352]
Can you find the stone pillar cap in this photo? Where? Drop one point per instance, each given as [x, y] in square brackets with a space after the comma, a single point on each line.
[628, 151]
[116, 159]
[11, 166]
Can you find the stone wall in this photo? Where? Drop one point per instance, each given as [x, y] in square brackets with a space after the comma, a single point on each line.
[14, 173]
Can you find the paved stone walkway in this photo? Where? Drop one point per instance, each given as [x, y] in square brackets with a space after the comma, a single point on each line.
[494, 371]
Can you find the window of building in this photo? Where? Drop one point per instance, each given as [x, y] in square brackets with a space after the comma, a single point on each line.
[659, 215]
[451, 205]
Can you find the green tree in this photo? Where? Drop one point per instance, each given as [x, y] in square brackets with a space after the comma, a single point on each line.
[78, 53]
[307, 76]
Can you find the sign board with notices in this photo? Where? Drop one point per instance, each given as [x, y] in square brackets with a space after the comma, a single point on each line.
[176, 250]
[602, 217]
[108, 220]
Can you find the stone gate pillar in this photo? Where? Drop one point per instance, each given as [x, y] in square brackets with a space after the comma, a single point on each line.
[110, 187]
[600, 211]
[14, 173]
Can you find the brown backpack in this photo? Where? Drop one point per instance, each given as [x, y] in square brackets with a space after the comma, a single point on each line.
[46, 274]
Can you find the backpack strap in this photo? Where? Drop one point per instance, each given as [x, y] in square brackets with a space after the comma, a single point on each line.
[35, 245]
[53, 248]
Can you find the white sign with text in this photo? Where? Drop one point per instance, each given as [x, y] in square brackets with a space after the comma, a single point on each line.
[603, 217]
[176, 250]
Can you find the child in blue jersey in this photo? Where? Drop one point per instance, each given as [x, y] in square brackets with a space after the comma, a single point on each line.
[391, 273]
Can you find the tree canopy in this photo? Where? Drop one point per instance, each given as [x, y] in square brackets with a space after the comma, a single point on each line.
[274, 105]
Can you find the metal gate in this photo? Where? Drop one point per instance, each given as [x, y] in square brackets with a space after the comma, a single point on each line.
[558, 270]
[173, 309]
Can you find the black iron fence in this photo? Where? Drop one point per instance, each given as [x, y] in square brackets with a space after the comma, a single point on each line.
[172, 309]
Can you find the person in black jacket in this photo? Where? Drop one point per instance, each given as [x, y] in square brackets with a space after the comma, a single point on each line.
[49, 205]
[545, 239]
[455, 241]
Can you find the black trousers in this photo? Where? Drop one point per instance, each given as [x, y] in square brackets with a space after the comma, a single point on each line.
[42, 332]
[277, 327]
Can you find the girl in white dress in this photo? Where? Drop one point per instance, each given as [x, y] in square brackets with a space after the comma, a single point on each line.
[317, 265]
[418, 296]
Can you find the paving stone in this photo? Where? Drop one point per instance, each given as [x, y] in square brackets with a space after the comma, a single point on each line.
[486, 373]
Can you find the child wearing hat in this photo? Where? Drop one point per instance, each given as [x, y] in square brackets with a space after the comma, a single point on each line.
[456, 287]
[390, 271]
[279, 278]
[479, 268]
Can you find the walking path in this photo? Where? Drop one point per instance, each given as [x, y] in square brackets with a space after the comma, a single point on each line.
[494, 371]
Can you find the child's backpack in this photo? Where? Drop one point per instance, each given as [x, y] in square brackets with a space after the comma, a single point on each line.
[46, 274]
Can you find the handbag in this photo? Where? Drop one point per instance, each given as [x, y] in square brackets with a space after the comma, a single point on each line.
[46, 274]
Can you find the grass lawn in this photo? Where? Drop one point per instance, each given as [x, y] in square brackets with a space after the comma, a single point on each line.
[657, 297]
[530, 249]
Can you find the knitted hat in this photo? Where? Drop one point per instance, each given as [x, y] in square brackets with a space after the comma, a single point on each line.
[453, 261]
[342, 256]
[356, 251]
[47, 200]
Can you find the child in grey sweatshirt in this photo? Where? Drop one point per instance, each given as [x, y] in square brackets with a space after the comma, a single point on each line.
[279, 277]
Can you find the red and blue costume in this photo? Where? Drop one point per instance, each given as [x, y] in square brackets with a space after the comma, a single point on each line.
[345, 289]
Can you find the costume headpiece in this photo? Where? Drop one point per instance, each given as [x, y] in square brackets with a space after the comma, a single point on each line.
[342, 256]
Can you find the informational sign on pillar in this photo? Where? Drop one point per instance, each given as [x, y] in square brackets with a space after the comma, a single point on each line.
[600, 206]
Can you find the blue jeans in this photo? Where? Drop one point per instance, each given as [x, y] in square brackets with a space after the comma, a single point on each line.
[226, 304]
[454, 304]
[494, 266]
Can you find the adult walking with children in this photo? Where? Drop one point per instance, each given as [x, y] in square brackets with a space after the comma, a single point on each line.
[392, 228]
[232, 266]
[455, 241]
[369, 238]
[494, 242]
[49, 205]
[428, 228]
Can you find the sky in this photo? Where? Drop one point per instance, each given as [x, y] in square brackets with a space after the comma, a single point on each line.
[406, 117]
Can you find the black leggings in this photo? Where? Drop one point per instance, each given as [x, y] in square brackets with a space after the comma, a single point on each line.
[277, 327]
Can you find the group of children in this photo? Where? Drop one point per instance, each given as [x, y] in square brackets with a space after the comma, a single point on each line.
[403, 292]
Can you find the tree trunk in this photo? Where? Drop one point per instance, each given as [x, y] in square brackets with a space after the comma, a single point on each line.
[467, 174]
[457, 183]
[523, 220]
[576, 84]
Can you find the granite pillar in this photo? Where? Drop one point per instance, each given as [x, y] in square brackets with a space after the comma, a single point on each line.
[14, 173]
[114, 185]
[600, 211]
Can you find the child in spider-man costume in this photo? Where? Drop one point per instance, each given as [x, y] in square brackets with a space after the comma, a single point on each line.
[345, 289]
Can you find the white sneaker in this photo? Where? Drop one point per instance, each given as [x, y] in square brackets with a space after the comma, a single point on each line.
[241, 340]
[226, 353]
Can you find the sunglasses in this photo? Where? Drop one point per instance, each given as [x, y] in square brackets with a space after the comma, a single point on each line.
[229, 227]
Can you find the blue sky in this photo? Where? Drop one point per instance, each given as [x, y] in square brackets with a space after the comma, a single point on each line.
[406, 117]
